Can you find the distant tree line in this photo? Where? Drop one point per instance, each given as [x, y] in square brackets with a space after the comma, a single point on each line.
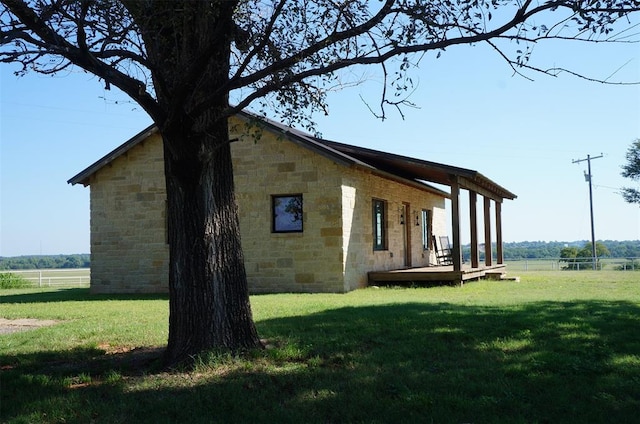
[512, 251]
[553, 249]
[46, 262]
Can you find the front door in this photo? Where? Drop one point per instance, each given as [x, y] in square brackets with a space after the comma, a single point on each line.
[407, 235]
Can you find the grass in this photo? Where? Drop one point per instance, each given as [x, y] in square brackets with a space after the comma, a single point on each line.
[555, 347]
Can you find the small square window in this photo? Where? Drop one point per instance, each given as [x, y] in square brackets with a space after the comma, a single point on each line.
[286, 211]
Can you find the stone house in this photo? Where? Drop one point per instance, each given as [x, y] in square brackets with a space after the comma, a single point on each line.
[315, 215]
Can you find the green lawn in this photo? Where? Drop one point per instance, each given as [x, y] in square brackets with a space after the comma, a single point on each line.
[557, 347]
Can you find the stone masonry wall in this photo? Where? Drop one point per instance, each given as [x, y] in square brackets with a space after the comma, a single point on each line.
[310, 261]
[332, 254]
[359, 189]
[129, 253]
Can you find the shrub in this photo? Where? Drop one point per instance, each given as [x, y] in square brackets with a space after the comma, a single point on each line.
[629, 265]
[12, 281]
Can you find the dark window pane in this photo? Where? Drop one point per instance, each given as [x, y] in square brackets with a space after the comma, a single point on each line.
[287, 213]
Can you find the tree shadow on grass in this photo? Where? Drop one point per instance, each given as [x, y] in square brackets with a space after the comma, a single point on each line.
[540, 362]
[75, 295]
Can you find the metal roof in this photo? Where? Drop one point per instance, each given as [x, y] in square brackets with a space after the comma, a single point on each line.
[418, 169]
[415, 172]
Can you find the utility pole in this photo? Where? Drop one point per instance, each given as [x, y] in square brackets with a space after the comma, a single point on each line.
[587, 177]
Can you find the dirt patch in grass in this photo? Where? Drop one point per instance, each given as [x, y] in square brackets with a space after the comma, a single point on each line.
[23, 324]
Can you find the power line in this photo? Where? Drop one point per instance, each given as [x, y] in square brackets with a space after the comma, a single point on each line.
[587, 177]
[608, 187]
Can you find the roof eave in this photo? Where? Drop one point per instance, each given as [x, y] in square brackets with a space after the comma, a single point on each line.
[343, 154]
[472, 179]
[83, 176]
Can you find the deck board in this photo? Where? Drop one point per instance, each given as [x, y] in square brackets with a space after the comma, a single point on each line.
[445, 274]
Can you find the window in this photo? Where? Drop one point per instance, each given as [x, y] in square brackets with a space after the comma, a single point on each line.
[426, 229]
[379, 224]
[286, 211]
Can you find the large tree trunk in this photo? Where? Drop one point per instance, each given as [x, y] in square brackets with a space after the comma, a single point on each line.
[189, 47]
[209, 299]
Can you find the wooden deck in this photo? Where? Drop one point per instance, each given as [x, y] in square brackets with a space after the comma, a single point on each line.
[436, 274]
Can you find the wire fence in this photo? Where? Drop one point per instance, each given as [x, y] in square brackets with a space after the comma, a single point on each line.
[73, 277]
[576, 264]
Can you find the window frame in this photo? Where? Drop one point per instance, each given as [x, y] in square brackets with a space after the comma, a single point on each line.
[277, 227]
[426, 217]
[380, 226]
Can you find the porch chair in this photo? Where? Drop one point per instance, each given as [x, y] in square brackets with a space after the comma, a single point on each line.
[444, 254]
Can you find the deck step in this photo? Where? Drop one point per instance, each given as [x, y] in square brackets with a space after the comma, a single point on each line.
[500, 276]
[510, 278]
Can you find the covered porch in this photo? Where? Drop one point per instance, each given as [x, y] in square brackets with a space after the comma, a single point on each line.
[476, 185]
[457, 180]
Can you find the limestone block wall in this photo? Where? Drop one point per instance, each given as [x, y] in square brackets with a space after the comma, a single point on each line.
[359, 189]
[310, 261]
[333, 253]
[129, 253]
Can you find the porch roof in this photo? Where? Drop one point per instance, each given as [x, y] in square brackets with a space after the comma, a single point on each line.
[418, 169]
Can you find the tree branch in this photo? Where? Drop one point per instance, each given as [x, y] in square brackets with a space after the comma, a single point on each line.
[380, 57]
[263, 43]
[53, 43]
[521, 16]
[331, 39]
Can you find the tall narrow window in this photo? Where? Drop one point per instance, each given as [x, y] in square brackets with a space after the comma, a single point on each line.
[426, 229]
[379, 225]
[287, 213]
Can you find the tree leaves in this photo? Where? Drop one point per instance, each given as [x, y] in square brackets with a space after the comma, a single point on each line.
[287, 55]
[631, 170]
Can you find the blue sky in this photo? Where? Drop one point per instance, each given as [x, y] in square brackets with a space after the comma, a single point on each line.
[472, 112]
